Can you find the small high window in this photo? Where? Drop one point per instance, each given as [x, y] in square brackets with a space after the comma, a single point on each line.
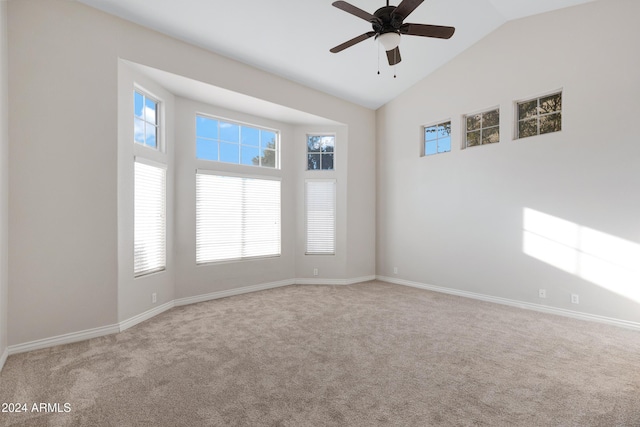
[145, 121]
[228, 142]
[482, 128]
[320, 152]
[540, 115]
[437, 138]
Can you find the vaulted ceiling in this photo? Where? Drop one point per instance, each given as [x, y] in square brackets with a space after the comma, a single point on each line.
[292, 38]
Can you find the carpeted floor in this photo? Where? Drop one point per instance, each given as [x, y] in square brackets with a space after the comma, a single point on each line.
[360, 355]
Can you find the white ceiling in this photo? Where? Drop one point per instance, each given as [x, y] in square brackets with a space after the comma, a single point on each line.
[292, 38]
[213, 95]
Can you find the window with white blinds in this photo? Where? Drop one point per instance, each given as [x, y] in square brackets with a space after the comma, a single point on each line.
[149, 228]
[236, 218]
[320, 205]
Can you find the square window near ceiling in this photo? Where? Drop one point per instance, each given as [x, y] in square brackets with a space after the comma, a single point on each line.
[145, 120]
[539, 116]
[437, 138]
[482, 128]
[320, 152]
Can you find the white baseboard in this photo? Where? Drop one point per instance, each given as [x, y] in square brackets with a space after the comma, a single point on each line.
[3, 358]
[64, 339]
[232, 292]
[314, 281]
[126, 324]
[515, 303]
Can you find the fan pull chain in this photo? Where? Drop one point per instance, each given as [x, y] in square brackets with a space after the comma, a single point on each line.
[395, 62]
[378, 58]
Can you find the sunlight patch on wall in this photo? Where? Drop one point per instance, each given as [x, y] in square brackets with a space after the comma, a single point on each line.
[600, 258]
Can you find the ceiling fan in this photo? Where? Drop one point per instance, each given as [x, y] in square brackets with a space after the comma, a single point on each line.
[388, 24]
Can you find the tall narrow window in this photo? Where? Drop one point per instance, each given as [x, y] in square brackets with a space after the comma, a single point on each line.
[320, 203]
[145, 121]
[539, 116]
[320, 152]
[437, 138]
[236, 218]
[149, 219]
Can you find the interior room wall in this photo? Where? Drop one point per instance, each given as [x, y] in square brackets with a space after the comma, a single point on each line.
[62, 198]
[355, 190]
[135, 294]
[457, 220]
[361, 197]
[63, 207]
[332, 267]
[203, 279]
[4, 186]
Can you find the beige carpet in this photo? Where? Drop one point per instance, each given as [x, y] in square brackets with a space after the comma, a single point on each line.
[361, 355]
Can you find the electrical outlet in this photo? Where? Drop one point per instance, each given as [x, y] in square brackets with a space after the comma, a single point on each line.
[542, 293]
[395, 270]
[575, 299]
[315, 271]
[154, 298]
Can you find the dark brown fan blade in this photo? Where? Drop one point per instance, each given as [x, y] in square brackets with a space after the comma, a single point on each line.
[394, 56]
[406, 7]
[349, 8]
[424, 30]
[353, 41]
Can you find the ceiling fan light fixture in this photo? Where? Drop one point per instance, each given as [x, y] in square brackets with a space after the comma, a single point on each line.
[389, 40]
[388, 24]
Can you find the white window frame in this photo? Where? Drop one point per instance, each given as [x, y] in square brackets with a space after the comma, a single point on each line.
[239, 143]
[158, 125]
[311, 245]
[202, 259]
[481, 129]
[423, 150]
[307, 152]
[538, 115]
[154, 157]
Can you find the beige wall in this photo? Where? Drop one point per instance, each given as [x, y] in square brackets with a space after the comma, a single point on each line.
[64, 202]
[202, 279]
[455, 220]
[329, 266]
[4, 186]
[134, 295]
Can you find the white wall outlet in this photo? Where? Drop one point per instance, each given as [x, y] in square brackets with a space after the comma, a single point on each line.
[542, 293]
[395, 270]
[315, 271]
[154, 298]
[575, 299]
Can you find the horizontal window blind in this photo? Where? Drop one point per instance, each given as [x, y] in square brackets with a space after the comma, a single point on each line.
[236, 218]
[149, 230]
[320, 205]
